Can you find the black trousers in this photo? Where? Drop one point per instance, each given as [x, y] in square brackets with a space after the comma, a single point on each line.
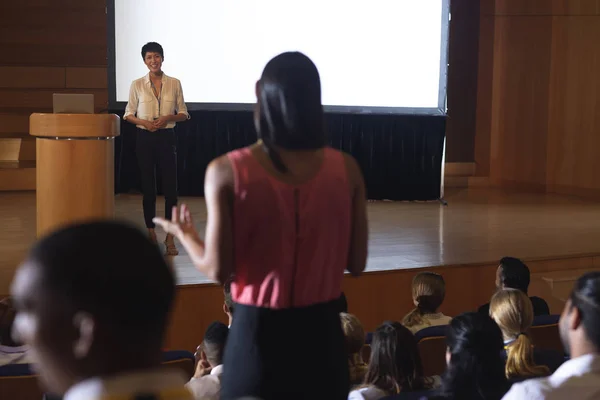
[291, 354]
[157, 150]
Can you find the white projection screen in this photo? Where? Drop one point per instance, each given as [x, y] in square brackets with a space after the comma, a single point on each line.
[380, 56]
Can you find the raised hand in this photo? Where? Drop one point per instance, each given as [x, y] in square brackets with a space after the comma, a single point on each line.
[182, 227]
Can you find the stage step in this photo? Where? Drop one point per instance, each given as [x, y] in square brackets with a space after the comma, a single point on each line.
[462, 175]
[17, 175]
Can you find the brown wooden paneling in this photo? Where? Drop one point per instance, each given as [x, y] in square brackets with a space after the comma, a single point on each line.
[54, 55]
[487, 7]
[520, 99]
[42, 99]
[574, 104]
[53, 17]
[14, 123]
[547, 7]
[483, 112]
[59, 34]
[32, 77]
[196, 307]
[462, 81]
[544, 108]
[93, 78]
[64, 4]
[520, 7]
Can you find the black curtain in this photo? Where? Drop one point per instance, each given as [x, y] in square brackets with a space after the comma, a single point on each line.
[400, 155]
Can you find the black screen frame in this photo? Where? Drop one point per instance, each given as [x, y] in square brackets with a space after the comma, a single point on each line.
[441, 109]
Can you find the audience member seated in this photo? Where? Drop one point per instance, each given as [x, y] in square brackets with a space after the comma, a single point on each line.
[228, 304]
[395, 366]
[513, 312]
[92, 303]
[577, 378]
[206, 383]
[428, 292]
[514, 274]
[355, 340]
[11, 352]
[475, 364]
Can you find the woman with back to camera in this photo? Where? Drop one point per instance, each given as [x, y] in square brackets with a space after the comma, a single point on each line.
[475, 364]
[395, 367]
[513, 312]
[287, 215]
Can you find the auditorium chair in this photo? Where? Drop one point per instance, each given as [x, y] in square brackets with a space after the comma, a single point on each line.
[544, 333]
[17, 381]
[183, 360]
[432, 348]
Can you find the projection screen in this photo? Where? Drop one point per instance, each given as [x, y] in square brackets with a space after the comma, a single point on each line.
[381, 56]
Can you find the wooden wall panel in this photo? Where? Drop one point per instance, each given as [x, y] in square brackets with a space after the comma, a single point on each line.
[14, 123]
[54, 55]
[32, 77]
[574, 106]
[483, 111]
[58, 34]
[51, 17]
[547, 7]
[87, 78]
[62, 4]
[543, 85]
[42, 99]
[462, 81]
[519, 100]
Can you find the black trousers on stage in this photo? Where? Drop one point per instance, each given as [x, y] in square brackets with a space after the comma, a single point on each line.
[157, 150]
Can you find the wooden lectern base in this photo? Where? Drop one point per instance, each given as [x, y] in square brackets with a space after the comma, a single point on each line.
[85, 193]
[75, 168]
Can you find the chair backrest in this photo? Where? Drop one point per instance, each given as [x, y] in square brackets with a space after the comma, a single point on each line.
[544, 333]
[17, 381]
[432, 348]
[183, 360]
[365, 353]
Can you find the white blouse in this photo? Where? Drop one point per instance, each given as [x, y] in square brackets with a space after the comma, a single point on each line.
[144, 104]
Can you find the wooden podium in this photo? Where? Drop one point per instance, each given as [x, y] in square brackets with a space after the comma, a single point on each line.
[75, 167]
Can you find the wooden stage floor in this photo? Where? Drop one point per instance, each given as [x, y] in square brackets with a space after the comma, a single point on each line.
[477, 226]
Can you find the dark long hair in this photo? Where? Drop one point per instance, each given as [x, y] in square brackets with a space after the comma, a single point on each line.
[395, 363]
[290, 113]
[476, 369]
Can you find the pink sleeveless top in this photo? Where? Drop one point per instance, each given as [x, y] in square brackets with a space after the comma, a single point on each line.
[291, 242]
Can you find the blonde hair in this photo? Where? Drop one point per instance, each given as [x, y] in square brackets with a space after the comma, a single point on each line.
[428, 292]
[513, 312]
[354, 338]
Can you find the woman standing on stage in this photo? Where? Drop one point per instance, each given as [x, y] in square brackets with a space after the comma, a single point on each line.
[288, 216]
[155, 105]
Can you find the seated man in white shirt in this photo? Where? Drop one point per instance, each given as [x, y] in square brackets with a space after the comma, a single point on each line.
[206, 382]
[92, 304]
[578, 378]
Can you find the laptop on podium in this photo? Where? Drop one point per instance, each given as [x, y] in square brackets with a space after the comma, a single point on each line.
[72, 103]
